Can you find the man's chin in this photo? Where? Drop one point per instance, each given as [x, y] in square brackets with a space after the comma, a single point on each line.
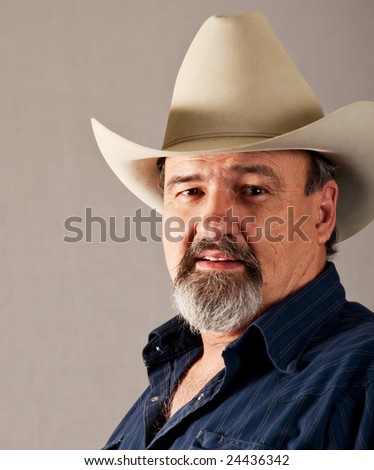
[217, 301]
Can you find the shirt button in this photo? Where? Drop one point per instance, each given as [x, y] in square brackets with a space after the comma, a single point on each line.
[153, 399]
[202, 395]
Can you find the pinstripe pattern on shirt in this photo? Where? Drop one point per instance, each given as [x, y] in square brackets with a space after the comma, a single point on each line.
[300, 377]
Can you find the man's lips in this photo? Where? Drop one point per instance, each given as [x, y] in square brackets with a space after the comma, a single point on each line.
[215, 259]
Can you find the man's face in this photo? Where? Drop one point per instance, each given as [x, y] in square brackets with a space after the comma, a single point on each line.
[254, 200]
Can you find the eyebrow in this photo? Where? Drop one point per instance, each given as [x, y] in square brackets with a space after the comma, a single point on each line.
[183, 179]
[262, 170]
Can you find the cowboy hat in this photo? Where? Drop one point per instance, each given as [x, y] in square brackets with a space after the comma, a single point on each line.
[238, 90]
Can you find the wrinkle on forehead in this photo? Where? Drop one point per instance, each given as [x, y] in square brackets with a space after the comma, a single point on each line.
[222, 157]
[267, 163]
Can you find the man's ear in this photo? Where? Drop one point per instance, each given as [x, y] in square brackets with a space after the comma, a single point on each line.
[326, 218]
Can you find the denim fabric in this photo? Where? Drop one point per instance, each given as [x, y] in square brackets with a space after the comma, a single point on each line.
[300, 377]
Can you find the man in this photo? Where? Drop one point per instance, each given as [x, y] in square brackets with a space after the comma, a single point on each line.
[266, 352]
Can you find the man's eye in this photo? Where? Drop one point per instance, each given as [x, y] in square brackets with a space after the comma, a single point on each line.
[254, 191]
[191, 192]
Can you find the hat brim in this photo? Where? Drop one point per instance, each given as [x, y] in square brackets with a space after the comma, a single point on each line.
[345, 137]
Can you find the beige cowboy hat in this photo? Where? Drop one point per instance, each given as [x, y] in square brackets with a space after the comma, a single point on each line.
[238, 90]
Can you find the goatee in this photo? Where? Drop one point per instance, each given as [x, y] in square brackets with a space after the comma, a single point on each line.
[218, 301]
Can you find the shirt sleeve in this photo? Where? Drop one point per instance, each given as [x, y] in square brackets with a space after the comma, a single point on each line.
[352, 424]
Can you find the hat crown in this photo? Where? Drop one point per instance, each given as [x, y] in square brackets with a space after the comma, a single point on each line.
[237, 85]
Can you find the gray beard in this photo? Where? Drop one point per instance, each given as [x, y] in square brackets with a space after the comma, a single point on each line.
[218, 301]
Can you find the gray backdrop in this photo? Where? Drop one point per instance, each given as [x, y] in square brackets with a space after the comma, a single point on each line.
[75, 316]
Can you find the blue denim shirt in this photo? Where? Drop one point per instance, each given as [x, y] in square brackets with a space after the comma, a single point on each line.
[300, 377]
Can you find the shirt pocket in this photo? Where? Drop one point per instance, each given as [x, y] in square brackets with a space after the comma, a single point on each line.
[207, 440]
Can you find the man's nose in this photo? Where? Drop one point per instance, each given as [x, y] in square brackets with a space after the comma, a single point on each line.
[218, 218]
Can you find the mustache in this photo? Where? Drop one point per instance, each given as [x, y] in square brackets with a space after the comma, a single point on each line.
[241, 253]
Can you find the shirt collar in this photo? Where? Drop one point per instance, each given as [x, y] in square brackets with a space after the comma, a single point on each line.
[286, 328]
[289, 326]
[168, 341]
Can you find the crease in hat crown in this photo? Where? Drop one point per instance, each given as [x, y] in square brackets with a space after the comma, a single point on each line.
[238, 90]
[237, 85]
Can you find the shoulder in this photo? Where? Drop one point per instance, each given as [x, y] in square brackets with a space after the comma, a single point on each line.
[344, 347]
[358, 337]
[355, 323]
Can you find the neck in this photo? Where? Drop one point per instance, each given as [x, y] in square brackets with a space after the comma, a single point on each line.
[215, 343]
